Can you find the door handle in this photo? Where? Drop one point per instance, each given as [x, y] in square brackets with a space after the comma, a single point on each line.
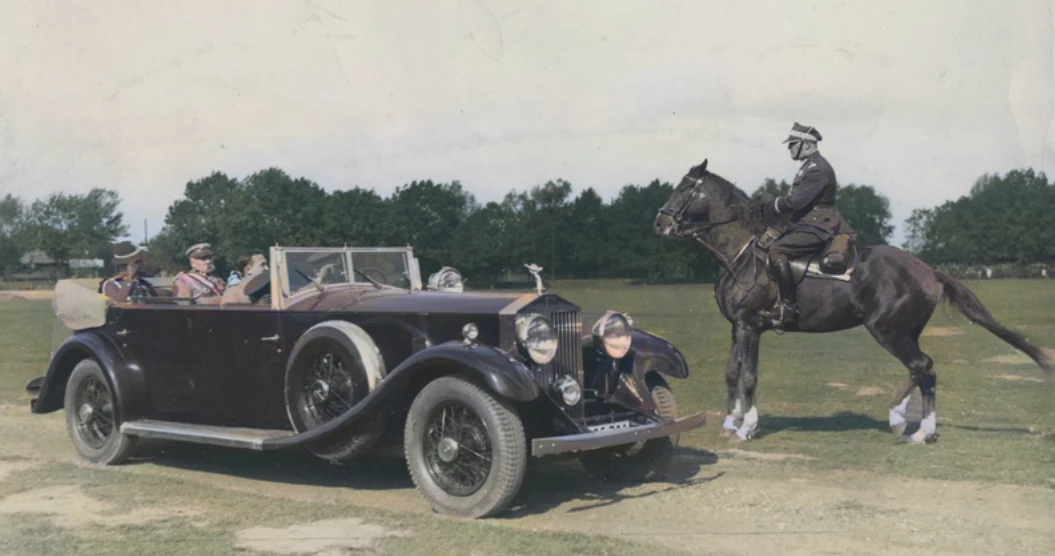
[269, 338]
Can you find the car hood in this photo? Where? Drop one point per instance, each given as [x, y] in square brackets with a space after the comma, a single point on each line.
[361, 300]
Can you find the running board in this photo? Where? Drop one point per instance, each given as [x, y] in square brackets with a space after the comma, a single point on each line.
[234, 437]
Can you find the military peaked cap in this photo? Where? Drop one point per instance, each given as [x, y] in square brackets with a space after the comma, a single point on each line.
[199, 251]
[801, 132]
[125, 252]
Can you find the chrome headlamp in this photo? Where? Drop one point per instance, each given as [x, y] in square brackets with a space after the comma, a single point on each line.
[537, 337]
[611, 334]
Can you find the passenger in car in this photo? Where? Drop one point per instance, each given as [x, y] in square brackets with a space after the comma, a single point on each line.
[199, 284]
[251, 287]
[129, 283]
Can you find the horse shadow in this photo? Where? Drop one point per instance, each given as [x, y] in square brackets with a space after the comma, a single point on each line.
[838, 422]
[547, 485]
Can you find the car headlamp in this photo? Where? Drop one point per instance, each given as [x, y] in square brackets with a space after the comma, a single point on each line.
[537, 338]
[611, 334]
[569, 389]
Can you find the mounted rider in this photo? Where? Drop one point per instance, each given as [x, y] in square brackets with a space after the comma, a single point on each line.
[810, 213]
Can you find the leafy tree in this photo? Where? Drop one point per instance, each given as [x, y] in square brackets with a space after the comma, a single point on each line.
[76, 226]
[867, 212]
[12, 242]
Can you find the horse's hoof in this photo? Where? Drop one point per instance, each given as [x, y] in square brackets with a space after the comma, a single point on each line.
[920, 437]
[899, 429]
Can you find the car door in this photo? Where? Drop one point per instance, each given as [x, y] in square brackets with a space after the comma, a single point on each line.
[155, 337]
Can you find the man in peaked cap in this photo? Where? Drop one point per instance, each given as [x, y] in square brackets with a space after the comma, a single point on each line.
[199, 283]
[810, 209]
[129, 283]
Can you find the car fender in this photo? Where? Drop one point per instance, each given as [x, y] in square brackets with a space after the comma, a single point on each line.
[126, 378]
[501, 372]
[651, 353]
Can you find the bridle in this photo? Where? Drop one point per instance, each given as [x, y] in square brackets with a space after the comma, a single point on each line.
[700, 229]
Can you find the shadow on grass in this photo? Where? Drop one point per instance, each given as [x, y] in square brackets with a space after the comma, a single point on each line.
[838, 422]
[546, 486]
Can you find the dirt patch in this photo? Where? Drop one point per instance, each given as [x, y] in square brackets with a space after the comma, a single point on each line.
[838, 385]
[69, 506]
[1010, 359]
[1016, 378]
[311, 538]
[767, 456]
[9, 467]
[942, 331]
[869, 391]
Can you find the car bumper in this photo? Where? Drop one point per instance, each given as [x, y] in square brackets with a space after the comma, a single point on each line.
[595, 440]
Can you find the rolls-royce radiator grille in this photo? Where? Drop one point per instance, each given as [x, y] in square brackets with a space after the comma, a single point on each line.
[569, 353]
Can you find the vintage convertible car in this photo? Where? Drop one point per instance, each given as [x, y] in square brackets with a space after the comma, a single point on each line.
[340, 351]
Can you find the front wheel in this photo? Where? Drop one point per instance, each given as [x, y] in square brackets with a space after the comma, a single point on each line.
[91, 417]
[465, 449]
[640, 461]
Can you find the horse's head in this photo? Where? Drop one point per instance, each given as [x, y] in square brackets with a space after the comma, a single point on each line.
[688, 207]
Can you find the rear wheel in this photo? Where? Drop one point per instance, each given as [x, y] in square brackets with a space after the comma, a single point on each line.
[465, 449]
[91, 417]
[640, 461]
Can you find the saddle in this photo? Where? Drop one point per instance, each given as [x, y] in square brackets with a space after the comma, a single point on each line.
[836, 261]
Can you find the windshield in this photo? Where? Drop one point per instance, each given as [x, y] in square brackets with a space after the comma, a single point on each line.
[329, 267]
[389, 268]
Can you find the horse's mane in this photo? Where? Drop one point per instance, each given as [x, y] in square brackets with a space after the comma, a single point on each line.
[735, 198]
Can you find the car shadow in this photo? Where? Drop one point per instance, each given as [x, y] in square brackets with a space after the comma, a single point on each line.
[297, 467]
[546, 485]
[838, 422]
[549, 486]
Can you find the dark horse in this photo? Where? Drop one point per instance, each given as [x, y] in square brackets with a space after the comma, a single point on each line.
[887, 290]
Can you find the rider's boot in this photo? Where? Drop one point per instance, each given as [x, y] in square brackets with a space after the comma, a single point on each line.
[789, 307]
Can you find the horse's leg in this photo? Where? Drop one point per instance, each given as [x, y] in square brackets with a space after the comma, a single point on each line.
[750, 339]
[899, 408]
[734, 407]
[921, 373]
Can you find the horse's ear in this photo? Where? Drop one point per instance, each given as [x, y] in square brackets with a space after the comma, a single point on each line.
[703, 167]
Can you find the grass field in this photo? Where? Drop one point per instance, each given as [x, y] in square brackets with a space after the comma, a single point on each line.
[824, 474]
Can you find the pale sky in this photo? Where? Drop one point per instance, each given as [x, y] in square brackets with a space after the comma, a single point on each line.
[916, 98]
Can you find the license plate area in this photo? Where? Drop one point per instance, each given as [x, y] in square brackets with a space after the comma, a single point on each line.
[618, 425]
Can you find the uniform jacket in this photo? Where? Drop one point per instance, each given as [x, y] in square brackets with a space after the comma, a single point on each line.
[201, 285]
[812, 197]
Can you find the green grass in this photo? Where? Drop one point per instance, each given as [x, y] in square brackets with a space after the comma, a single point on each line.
[991, 429]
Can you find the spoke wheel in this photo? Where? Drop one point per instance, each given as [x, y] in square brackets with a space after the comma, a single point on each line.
[465, 448]
[457, 449]
[325, 380]
[92, 417]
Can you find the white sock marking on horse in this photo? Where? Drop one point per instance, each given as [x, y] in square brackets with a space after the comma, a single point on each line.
[927, 427]
[747, 430]
[732, 419]
[897, 416]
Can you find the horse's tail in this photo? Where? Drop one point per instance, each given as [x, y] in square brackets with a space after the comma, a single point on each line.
[971, 307]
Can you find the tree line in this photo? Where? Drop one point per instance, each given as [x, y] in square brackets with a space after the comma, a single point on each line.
[573, 236]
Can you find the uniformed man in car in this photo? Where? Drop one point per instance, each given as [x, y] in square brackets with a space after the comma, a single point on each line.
[129, 283]
[810, 211]
[199, 284]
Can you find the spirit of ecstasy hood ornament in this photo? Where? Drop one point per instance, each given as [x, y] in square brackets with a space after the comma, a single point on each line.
[535, 271]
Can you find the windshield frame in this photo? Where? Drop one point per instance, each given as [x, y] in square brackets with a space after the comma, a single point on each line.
[280, 269]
